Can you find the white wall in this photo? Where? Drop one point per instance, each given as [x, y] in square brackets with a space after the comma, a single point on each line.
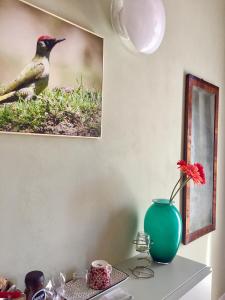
[67, 201]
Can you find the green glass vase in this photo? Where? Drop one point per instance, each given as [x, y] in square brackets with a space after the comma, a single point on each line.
[164, 225]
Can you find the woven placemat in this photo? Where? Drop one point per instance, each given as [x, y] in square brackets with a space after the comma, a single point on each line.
[78, 289]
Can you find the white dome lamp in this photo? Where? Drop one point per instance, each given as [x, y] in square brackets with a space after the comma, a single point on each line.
[139, 23]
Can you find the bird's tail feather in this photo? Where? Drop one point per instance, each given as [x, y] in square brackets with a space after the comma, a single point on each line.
[10, 97]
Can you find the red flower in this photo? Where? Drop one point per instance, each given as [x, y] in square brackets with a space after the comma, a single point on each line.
[182, 165]
[201, 172]
[194, 172]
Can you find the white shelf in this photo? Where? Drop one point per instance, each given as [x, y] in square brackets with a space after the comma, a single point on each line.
[173, 281]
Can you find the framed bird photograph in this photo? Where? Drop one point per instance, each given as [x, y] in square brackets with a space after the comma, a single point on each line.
[51, 74]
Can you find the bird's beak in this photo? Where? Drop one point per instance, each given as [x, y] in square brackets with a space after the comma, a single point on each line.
[59, 40]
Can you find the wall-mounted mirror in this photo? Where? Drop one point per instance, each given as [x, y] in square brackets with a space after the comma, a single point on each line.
[200, 145]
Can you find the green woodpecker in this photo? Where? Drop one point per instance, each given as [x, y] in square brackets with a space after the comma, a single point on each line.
[34, 77]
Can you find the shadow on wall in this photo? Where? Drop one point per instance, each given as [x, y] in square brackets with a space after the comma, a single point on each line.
[91, 8]
[115, 242]
[104, 221]
[90, 12]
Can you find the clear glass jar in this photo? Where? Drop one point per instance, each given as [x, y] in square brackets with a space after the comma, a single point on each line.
[142, 242]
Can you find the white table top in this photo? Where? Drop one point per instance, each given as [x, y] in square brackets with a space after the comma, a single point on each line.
[169, 282]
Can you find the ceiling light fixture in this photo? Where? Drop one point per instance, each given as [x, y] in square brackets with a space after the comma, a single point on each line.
[139, 23]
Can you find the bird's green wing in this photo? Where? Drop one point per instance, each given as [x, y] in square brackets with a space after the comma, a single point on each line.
[30, 74]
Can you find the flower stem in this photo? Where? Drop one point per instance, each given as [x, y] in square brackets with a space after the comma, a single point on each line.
[175, 187]
[182, 185]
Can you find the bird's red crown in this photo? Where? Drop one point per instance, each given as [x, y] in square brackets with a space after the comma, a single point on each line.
[45, 38]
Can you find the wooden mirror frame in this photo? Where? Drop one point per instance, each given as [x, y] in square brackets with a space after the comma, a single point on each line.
[191, 82]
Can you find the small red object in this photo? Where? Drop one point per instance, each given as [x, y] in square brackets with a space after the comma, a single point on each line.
[99, 275]
[11, 295]
[194, 172]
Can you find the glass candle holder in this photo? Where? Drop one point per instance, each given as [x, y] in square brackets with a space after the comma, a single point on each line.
[142, 270]
[142, 242]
